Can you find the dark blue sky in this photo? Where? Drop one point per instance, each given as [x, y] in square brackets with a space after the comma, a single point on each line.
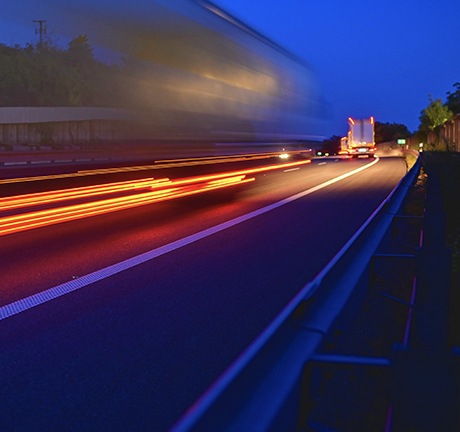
[380, 58]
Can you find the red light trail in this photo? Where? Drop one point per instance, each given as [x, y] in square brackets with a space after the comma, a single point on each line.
[148, 191]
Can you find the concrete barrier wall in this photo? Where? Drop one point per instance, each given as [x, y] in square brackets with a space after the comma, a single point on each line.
[67, 125]
[26, 115]
[66, 132]
[61, 126]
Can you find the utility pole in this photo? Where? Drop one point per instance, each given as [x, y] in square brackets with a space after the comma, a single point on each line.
[41, 30]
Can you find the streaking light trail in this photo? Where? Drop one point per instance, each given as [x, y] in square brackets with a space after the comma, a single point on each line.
[161, 164]
[75, 193]
[158, 190]
[86, 280]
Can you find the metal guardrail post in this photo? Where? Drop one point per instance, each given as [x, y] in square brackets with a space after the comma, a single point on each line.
[314, 378]
[373, 277]
[403, 218]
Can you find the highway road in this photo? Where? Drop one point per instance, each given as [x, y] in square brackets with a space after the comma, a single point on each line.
[179, 289]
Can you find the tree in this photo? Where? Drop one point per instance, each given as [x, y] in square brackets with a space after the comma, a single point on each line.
[453, 100]
[17, 77]
[90, 82]
[434, 115]
[386, 132]
[80, 52]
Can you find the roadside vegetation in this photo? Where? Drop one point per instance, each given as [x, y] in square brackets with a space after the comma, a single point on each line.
[446, 164]
[48, 75]
[434, 116]
[410, 160]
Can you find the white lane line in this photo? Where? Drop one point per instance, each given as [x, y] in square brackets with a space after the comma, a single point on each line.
[322, 163]
[291, 169]
[15, 163]
[73, 285]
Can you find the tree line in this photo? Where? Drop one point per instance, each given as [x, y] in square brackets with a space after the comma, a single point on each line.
[48, 75]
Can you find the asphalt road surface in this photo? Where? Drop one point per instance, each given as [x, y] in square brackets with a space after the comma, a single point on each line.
[136, 347]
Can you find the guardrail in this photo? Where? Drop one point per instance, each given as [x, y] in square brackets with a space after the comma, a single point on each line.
[260, 391]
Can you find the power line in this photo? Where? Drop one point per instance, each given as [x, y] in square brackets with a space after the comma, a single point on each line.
[41, 30]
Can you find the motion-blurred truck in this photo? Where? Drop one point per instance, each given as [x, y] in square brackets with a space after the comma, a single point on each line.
[360, 139]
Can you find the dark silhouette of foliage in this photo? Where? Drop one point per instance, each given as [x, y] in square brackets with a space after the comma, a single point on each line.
[434, 115]
[48, 75]
[386, 132]
[437, 113]
[453, 100]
